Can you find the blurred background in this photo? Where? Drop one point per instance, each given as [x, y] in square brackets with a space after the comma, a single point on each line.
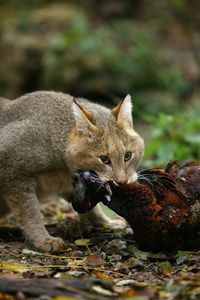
[102, 50]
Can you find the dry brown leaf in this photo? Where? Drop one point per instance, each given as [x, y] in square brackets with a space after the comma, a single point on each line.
[95, 260]
[102, 275]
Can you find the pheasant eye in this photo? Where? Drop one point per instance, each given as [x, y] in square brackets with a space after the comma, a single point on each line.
[127, 156]
[105, 160]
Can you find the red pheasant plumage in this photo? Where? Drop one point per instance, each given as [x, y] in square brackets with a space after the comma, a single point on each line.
[162, 207]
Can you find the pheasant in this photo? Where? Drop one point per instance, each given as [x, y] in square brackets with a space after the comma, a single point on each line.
[162, 206]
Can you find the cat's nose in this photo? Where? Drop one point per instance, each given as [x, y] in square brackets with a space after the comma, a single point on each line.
[122, 182]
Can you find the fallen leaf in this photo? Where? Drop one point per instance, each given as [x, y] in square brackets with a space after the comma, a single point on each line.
[116, 244]
[76, 263]
[39, 274]
[98, 289]
[116, 257]
[195, 293]
[63, 276]
[4, 246]
[183, 286]
[102, 275]
[133, 263]
[139, 254]
[184, 274]
[181, 257]
[63, 298]
[18, 268]
[125, 282]
[9, 274]
[165, 266]
[83, 242]
[27, 251]
[94, 260]
[6, 297]
[75, 273]
[169, 273]
[15, 267]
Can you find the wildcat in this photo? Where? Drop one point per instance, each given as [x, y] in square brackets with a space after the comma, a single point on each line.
[44, 138]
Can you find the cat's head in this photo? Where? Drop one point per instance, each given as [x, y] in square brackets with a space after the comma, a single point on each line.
[106, 142]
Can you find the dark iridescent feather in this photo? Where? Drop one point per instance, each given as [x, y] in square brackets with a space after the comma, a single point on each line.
[162, 207]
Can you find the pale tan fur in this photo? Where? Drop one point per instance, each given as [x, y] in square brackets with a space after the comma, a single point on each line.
[44, 138]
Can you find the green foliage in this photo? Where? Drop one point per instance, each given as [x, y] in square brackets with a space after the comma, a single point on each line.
[173, 137]
[177, 4]
[110, 59]
[94, 58]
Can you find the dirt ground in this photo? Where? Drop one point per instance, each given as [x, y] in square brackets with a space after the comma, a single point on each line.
[96, 263]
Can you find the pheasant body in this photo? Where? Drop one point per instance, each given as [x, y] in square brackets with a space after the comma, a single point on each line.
[162, 206]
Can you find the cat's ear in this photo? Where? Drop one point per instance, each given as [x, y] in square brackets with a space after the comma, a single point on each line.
[123, 113]
[83, 119]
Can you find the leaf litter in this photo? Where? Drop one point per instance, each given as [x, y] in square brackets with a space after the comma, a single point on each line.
[107, 261]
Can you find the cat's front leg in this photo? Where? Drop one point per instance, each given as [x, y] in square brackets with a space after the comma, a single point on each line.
[97, 217]
[23, 201]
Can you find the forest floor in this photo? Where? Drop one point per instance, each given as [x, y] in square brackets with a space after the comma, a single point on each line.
[96, 263]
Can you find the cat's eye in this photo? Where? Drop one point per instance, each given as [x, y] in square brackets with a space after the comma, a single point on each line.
[127, 156]
[105, 160]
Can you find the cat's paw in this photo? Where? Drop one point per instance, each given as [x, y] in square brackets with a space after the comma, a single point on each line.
[49, 244]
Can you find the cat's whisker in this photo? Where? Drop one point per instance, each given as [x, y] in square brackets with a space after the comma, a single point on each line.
[145, 178]
[142, 170]
[144, 175]
[132, 179]
[115, 183]
[138, 182]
